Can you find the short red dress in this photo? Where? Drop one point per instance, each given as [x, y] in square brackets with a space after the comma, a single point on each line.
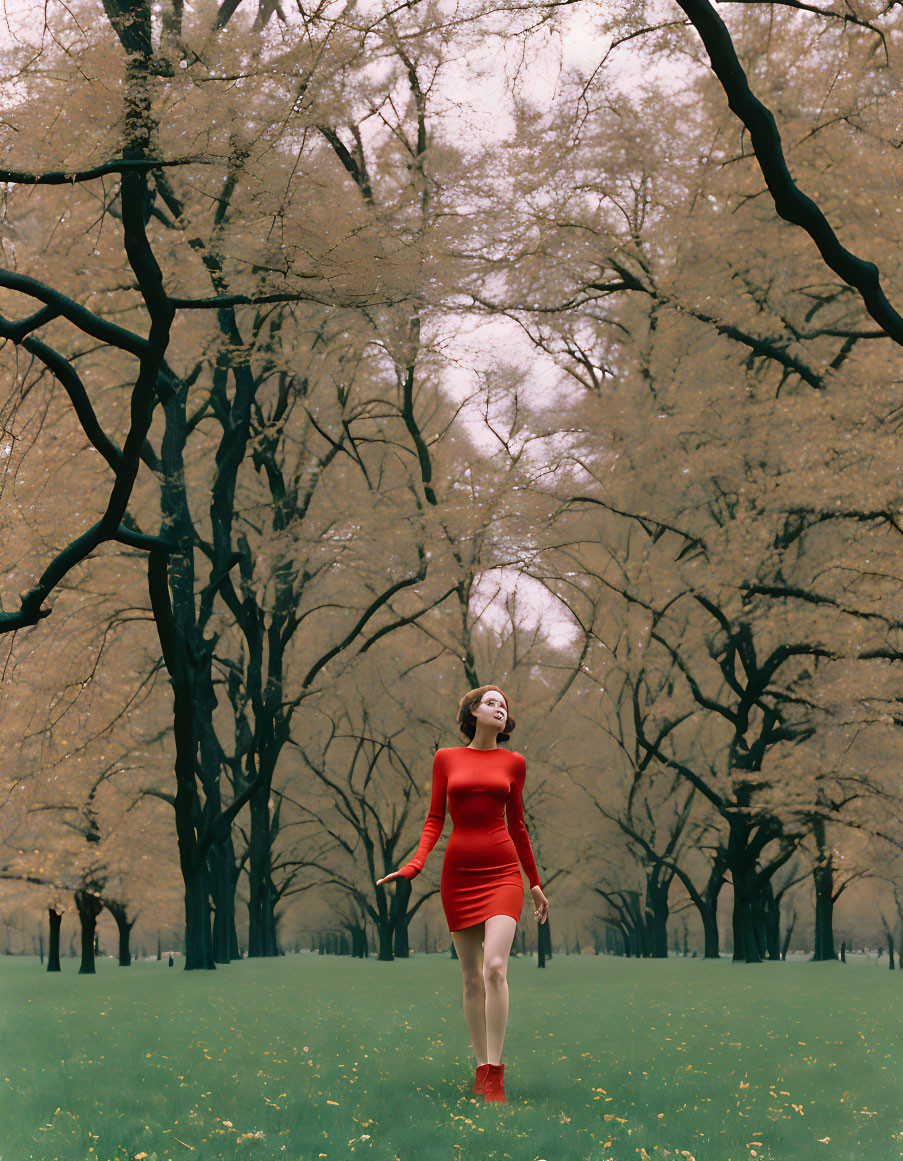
[480, 872]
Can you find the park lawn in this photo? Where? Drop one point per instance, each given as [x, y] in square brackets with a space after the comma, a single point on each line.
[312, 1057]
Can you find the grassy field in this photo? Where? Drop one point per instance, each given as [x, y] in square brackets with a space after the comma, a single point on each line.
[313, 1057]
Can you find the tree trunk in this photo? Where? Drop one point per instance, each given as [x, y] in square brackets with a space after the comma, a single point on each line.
[223, 882]
[358, 941]
[706, 903]
[816, 953]
[261, 901]
[543, 943]
[711, 939]
[402, 945]
[184, 651]
[823, 877]
[272, 919]
[403, 915]
[89, 906]
[385, 933]
[745, 943]
[119, 911]
[770, 922]
[743, 874]
[635, 918]
[787, 937]
[709, 914]
[656, 926]
[198, 935]
[125, 952]
[53, 951]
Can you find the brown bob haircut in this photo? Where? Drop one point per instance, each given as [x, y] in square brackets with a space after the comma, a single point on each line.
[467, 723]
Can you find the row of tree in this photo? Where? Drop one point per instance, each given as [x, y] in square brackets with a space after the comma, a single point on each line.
[298, 537]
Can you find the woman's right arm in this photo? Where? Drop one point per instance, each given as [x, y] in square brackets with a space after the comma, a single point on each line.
[435, 821]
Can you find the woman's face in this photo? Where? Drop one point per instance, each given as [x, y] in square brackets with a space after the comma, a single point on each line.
[492, 710]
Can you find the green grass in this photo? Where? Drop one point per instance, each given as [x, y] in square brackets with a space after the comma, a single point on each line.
[310, 1057]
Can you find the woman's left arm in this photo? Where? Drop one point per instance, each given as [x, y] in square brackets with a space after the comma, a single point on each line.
[517, 828]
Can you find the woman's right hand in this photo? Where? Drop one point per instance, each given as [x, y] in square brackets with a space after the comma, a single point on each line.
[393, 875]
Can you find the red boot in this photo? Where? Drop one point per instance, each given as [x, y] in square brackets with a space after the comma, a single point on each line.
[482, 1069]
[494, 1089]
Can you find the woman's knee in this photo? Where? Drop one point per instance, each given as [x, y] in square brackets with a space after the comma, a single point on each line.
[473, 983]
[495, 971]
[500, 931]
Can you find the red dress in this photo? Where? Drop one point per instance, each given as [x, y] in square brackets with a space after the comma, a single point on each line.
[480, 874]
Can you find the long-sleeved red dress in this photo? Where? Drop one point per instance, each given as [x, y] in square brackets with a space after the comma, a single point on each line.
[480, 873]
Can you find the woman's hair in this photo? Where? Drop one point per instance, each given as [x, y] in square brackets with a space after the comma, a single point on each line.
[467, 723]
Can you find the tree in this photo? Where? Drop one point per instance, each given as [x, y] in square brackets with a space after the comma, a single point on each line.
[89, 904]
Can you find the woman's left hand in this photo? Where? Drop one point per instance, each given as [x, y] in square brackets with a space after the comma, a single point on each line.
[540, 904]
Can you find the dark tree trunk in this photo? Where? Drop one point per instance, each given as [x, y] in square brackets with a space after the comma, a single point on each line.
[706, 901]
[709, 913]
[272, 919]
[89, 906]
[385, 930]
[711, 940]
[786, 946]
[258, 874]
[543, 943]
[770, 923]
[125, 952]
[119, 911]
[890, 951]
[402, 914]
[823, 878]
[358, 941]
[741, 862]
[392, 922]
[198, 934]
[656, 925]
[53, 951]
[263, 897]
[636, 925]
[746, 946]
[402, 944]
[224, 875]
[171, 590]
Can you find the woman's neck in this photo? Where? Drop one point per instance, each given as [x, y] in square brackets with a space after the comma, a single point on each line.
[485, 737]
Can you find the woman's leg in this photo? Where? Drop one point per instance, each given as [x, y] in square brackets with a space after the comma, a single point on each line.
[469, 946]
[499, 936]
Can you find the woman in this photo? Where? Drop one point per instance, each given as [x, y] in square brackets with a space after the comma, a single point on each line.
[481, 887]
